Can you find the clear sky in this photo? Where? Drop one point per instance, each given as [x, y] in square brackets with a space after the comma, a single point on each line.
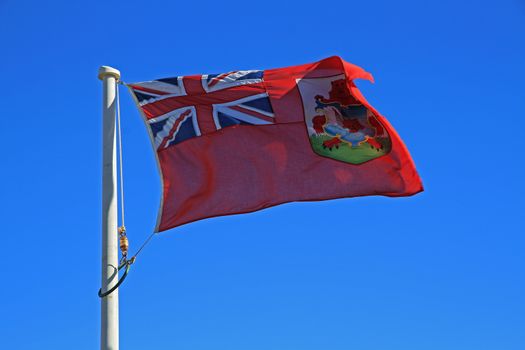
[441, 270]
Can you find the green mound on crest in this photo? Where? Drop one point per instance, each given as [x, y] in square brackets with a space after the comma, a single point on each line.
[347, 153]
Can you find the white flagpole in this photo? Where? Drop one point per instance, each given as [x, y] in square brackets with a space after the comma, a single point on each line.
[109, 337]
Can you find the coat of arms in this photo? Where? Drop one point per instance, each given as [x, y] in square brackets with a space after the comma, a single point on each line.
[339, 126]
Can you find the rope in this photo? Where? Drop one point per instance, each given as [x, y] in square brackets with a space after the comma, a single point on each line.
[142, 246]
[120, 158]
[123, 240]
[123, 227]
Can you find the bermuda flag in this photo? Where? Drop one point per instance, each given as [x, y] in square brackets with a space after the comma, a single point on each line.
[245, 140]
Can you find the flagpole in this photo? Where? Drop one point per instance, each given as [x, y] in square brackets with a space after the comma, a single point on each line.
[109, 335]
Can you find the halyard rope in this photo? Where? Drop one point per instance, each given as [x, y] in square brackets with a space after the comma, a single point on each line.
[123, 227]
[120, 157]
[142, 246]
[124, 261]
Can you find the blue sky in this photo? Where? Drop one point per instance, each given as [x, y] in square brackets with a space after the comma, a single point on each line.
[441, 270]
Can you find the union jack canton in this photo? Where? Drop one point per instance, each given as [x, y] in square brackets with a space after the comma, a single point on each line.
[180, 108]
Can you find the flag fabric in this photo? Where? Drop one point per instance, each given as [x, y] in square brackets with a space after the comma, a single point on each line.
[246, 140]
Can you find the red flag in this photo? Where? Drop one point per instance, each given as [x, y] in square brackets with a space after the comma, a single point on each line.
[246, 140]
